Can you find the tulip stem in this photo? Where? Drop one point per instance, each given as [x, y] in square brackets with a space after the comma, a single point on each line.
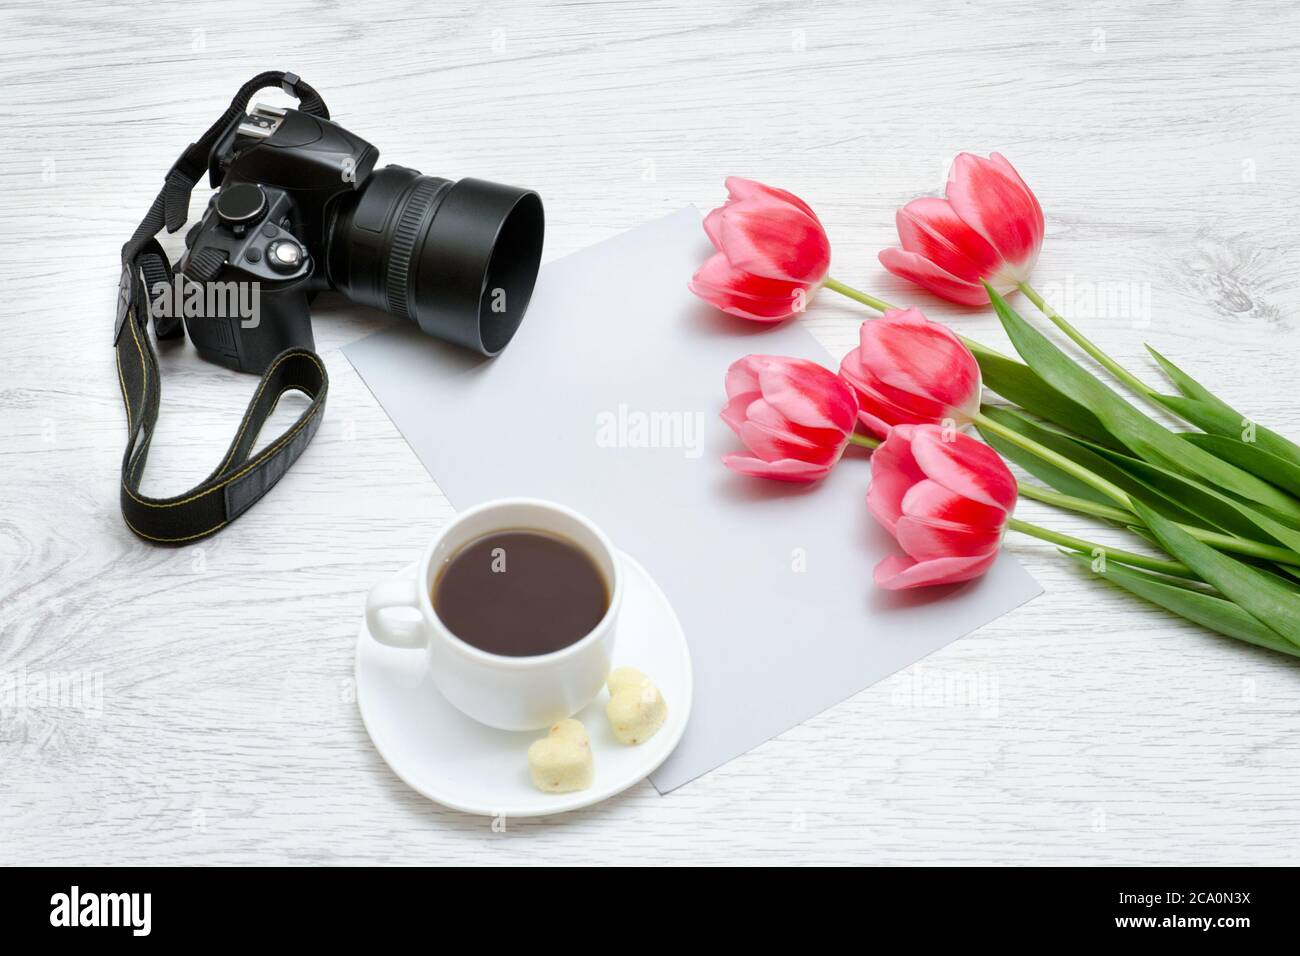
[1223, 542]
[1254, 549]
[1072, 468]
[1215, 539]
[1072, 503]
[1081, 340]
[880, 305]
[857, 295]
[1102, 551]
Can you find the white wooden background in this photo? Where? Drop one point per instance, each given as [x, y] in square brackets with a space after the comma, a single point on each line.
[1162, 141]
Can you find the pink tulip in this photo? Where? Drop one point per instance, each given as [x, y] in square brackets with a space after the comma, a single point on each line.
[946, 498]
[772, 257]
[990, 227]
[911, 371]
[794, 416]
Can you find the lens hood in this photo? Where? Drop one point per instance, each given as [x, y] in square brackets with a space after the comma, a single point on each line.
[458, 258]
[478, 263]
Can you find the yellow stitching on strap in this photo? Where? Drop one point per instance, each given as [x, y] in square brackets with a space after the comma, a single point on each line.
[121, 380]
[244, 424]
[188, 537]
[144, 390]
[144, 369]
[284, 439]
[274, 403]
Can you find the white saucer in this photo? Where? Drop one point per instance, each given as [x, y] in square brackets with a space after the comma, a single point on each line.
[460, 763]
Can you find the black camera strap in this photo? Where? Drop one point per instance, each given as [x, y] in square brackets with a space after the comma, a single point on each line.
[241, 478]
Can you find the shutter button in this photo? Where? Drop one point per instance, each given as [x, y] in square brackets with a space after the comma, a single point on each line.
[284, 255]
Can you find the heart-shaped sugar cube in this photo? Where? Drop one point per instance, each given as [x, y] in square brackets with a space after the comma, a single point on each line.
[561, 761]
[636, 708]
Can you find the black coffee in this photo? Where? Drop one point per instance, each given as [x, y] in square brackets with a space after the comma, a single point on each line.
[520, 593]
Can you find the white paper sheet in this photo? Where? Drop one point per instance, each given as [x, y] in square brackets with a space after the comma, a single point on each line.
[607, 400]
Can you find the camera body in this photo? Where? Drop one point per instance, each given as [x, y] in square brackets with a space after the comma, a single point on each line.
[299, 207]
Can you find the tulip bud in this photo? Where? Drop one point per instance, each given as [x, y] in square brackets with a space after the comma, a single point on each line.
[947, 503]
[911, 371]
[988, 228]
[773, 254]
[794, 416]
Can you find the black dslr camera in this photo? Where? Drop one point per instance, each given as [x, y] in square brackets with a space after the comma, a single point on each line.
[300, 208]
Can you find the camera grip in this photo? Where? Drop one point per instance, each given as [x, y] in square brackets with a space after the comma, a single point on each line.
[261, 323]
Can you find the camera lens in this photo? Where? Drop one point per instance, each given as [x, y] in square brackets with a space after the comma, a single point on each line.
[457, 258]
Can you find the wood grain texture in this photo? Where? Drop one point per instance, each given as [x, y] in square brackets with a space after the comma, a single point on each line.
[1161, 139]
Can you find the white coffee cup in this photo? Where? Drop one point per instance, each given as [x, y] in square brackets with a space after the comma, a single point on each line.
[509, 693]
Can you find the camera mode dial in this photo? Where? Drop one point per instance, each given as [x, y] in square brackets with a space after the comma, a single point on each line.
[240, 205]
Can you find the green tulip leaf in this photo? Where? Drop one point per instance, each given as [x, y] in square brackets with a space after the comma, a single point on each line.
[1172, 498]
[1189, 386]
[1277, 571]
[1147, 439]
[1021, 385]
[1228, 513]
[1044, 471]
[1272, 603]
[1251, 457]
[1213, 507]
[1209, 413]
[1199, 607]
[1176, 497]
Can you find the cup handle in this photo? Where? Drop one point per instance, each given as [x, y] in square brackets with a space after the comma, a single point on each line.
[401, 590]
